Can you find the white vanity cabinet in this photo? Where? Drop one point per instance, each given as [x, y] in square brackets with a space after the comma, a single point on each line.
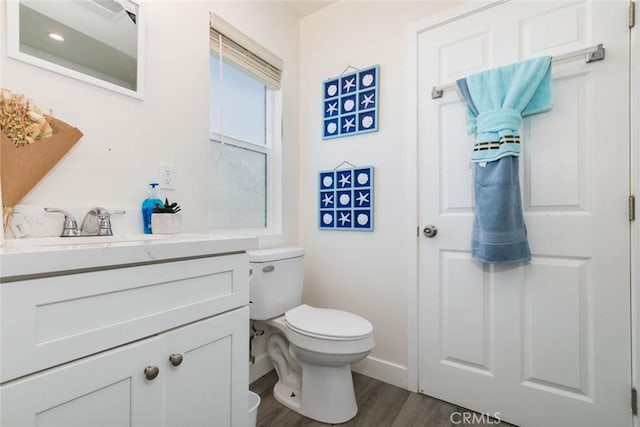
[207, 388]
[82, 347]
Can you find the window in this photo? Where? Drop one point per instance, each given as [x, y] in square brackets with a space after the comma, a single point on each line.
[244, 117]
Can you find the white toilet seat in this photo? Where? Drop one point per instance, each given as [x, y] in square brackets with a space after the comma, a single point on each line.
[320, 343]
[329, 324]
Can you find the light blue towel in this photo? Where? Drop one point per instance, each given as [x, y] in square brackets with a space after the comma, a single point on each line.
[496, 102]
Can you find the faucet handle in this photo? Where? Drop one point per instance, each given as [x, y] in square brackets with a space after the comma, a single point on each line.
[104, 222]
[97, 222]
[113, 213]
[104, 227]
[69, 226]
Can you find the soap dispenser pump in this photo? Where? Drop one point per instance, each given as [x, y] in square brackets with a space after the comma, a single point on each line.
[148, 205]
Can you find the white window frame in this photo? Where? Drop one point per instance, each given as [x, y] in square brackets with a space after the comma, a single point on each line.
[273, 151]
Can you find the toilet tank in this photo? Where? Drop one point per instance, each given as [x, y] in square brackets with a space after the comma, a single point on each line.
[275, 284]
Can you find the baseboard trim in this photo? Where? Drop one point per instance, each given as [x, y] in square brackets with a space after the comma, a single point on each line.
[382, 370]
[259, 369]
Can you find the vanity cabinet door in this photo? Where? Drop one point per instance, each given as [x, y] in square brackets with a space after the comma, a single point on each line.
[106, 390]
[209, 384]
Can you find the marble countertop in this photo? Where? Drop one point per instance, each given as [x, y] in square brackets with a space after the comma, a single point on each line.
[23, 258]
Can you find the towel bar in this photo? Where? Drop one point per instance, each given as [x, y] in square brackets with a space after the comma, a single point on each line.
[591, 54]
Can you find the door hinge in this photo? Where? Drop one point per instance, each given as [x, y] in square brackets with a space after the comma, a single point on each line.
[632, 14]
[632, 208]
[634, 401]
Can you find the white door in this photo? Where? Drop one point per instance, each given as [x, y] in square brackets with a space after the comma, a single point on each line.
[106, 390]
[207, 372]
[545, 343]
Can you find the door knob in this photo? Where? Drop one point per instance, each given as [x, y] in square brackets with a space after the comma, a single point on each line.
[175, 359]
[151, 372]
[430, 231]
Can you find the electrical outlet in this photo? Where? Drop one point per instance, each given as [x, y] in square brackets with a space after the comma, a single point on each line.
[167, 179]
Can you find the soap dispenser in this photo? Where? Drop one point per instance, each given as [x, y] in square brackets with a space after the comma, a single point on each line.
[148, 205]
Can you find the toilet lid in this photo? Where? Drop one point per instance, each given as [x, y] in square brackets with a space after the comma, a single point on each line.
[328, 323]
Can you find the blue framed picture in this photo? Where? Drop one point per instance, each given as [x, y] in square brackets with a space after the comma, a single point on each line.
[350, 103]
[345, 199]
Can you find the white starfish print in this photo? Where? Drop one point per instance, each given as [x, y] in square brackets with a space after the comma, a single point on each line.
[348, 84]
[362, 198]
[345, 180]
[348, 124]
[333, 108]
[327, 199]
[367, 100]
[344, 217]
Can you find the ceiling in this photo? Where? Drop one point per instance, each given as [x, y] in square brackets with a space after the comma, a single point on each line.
[302, 8]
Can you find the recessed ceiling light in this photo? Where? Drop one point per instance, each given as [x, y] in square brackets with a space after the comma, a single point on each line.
[56, 37]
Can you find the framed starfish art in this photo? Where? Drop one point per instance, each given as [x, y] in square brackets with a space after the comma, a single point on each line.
[350, 103]
[346, 199]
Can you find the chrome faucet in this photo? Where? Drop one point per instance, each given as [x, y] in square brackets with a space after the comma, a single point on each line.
[97, 222]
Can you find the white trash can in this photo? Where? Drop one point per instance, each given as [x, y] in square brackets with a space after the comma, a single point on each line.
[254, 402]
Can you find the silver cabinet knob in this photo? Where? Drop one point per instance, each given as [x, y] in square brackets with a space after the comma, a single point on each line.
[151, 372]
[430, 231]
[176, 359]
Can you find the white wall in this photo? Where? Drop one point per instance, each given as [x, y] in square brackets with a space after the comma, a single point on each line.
[365, 273]
[126, 139]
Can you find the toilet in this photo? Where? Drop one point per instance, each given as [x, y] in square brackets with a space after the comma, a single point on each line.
[311, 348]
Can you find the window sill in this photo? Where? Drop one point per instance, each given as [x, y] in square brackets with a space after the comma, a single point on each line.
[246, 232]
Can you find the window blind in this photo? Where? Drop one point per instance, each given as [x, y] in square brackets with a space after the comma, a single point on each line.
[245, 53]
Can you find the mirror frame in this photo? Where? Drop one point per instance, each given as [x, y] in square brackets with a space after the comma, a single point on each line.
[13, 51]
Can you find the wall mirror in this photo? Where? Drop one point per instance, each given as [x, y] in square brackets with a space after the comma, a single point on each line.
[97, 41]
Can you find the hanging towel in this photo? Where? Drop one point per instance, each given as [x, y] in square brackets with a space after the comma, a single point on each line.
[499, 231]
[496, 101]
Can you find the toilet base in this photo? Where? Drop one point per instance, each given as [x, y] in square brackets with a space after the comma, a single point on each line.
[327, 396]
[314, 374]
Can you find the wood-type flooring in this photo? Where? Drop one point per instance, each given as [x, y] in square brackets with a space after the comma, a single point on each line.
[379, 405]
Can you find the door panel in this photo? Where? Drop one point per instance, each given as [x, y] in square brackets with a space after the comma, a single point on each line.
[556, 296]
[545, 342]
[562, 26]
[466, 332]
[456, 188]
[556, 173]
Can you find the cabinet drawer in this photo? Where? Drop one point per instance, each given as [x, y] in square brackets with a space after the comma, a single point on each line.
[49, 321]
